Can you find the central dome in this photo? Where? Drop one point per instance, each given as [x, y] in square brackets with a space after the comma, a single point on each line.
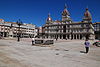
[65, 12]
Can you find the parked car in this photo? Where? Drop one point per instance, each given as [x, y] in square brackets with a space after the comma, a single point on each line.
[97, 43]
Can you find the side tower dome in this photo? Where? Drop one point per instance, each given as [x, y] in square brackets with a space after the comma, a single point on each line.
[87, 16]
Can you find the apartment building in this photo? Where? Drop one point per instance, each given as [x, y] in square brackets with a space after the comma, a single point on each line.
[11, 29]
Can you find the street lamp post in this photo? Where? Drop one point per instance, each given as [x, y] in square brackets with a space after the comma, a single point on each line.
[19, 23]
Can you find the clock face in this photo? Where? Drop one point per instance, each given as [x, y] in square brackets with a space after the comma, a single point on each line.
[68, 16]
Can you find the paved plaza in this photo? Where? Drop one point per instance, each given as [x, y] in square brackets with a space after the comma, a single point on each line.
[63, 53]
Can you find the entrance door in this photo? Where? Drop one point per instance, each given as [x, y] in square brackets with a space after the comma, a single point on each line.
[5, 34]
[64, 31]
[87, 36]
[64, 36]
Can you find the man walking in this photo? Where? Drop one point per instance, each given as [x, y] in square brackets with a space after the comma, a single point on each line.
[87, 45]
[33, 41]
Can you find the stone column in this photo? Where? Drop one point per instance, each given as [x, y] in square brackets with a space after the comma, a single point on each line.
[83, 37]
[76, 36]
[73, 36]
[79, 36]
[66, 37]
[70, 36]
[61, 36]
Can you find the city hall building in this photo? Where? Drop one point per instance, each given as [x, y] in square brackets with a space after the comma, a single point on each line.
[11, 29]
[97, 30]
[67, 29]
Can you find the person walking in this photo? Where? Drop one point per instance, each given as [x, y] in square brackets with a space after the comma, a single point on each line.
[87, 45]
[33, 41]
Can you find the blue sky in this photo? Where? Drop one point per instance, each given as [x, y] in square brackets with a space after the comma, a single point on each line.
[36, 11]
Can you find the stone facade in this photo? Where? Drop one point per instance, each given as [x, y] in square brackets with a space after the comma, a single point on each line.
[10, 29]
[67, 29]
[97, 30]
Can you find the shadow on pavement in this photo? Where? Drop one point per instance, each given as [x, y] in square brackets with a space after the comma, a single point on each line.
[82, 52]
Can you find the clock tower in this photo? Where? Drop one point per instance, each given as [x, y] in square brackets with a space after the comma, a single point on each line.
[66, 16]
